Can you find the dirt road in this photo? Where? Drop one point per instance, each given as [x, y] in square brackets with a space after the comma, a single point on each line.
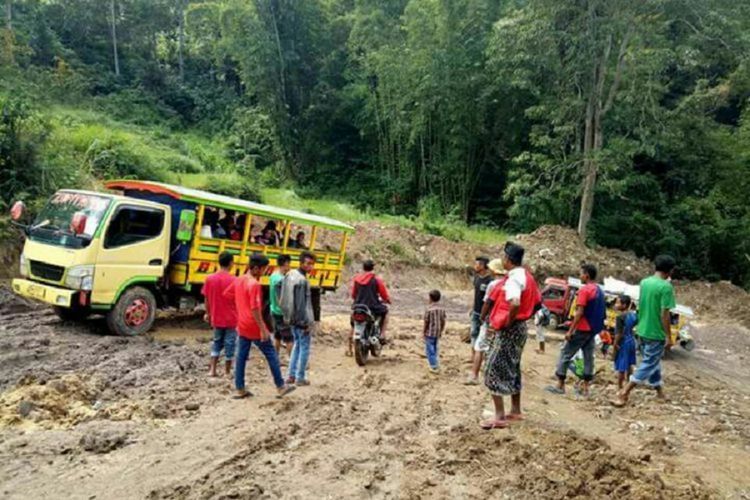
[88, 415]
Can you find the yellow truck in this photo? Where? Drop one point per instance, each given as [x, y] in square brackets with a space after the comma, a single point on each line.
[147, 245]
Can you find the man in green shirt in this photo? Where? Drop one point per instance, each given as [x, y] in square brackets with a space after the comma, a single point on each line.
[656, 300]
[281, 331]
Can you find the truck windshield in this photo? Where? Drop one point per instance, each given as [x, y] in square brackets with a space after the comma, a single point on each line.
[54, 224]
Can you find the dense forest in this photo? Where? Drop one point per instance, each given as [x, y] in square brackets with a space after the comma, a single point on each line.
[627, 119]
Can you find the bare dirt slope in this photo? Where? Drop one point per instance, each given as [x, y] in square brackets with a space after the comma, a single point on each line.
[87, 415]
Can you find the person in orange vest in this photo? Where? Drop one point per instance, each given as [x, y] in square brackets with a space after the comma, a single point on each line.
[512, 302]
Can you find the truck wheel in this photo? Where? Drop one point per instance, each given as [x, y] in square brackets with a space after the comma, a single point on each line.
[134, 312]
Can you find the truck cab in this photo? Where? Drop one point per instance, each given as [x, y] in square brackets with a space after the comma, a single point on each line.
[557, 297]
[84, 250]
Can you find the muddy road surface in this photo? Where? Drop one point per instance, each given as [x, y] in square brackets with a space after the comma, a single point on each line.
[84, 414]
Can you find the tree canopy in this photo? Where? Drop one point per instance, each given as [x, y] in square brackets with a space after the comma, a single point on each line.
[627, 119]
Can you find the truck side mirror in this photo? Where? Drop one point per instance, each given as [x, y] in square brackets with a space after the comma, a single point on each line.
[185, 228]
[17, 211]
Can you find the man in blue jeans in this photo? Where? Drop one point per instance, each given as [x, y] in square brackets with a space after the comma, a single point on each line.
[247, 294]
[296, 303]
[654, 328]
[221, 314]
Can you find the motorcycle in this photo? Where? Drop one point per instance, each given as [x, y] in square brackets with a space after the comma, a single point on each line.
[366, 334]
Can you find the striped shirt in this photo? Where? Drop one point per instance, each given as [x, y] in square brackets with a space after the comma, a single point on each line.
[434, 321]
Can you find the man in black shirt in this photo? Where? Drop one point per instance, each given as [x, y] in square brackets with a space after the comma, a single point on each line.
[482, 278]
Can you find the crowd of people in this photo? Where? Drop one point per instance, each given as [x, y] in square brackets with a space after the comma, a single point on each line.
[235, 309]
[506, 297]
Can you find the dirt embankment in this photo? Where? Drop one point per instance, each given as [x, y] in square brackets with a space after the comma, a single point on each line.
[721, 301]
[559, 251]
[410, 259]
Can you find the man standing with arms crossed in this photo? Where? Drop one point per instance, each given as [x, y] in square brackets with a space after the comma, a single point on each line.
[654, 328]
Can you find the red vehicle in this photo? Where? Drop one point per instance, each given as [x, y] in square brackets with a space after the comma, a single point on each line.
[557, 296]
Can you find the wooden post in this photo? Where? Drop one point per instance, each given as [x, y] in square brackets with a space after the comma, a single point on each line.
[246, 234]
[313, 237]
[287, 230]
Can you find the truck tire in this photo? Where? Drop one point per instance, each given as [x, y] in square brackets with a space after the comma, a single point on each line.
[134, 312]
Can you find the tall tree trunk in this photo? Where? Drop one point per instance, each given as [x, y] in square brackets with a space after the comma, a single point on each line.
[596, 109]
[114, 37]
[181, 40]
[589, 170]
[9, 42]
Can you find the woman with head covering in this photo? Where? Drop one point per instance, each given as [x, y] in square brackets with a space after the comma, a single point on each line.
[511, 303]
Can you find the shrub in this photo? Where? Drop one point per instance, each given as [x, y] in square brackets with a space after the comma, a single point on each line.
[22, 134]
[245, 188]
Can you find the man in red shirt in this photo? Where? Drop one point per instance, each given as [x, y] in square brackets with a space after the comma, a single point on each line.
[247, 293]
[586, 325]
[221, 314]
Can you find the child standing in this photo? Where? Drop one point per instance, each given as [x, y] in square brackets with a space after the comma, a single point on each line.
[434, 324]
[624, 344]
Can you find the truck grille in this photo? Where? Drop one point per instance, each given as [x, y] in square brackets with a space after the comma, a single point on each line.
[46, 271]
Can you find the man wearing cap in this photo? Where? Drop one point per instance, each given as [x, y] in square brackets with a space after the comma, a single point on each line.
[482, 345]
[511, 303]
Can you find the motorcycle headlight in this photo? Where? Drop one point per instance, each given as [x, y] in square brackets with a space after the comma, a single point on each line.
[80, 278]
[23, 265]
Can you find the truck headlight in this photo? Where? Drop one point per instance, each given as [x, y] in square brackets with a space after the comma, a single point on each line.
[23, 265]
[80, 278]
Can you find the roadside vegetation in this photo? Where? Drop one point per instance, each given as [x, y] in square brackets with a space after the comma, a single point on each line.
[469, 118]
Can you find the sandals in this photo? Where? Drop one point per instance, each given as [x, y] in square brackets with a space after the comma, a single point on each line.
[514, 417]
[494, 424]
[554, 390]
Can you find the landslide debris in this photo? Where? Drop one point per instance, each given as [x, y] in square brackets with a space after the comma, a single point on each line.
[559, 251]
[720, 301]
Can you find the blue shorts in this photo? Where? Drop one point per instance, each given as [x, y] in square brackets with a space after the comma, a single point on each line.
[226, 339]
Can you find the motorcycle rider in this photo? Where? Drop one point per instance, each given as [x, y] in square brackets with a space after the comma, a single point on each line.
[370, 290]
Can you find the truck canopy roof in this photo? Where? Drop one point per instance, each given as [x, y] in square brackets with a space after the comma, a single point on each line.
[216, 200]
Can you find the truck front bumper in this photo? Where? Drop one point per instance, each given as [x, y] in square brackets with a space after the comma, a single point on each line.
[44, 293]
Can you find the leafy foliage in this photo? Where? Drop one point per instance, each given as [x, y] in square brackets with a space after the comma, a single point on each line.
[509, 114]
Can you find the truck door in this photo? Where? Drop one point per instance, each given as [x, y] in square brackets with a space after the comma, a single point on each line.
[135, 248]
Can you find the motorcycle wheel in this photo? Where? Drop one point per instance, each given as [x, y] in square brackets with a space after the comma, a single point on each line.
[360, 352]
